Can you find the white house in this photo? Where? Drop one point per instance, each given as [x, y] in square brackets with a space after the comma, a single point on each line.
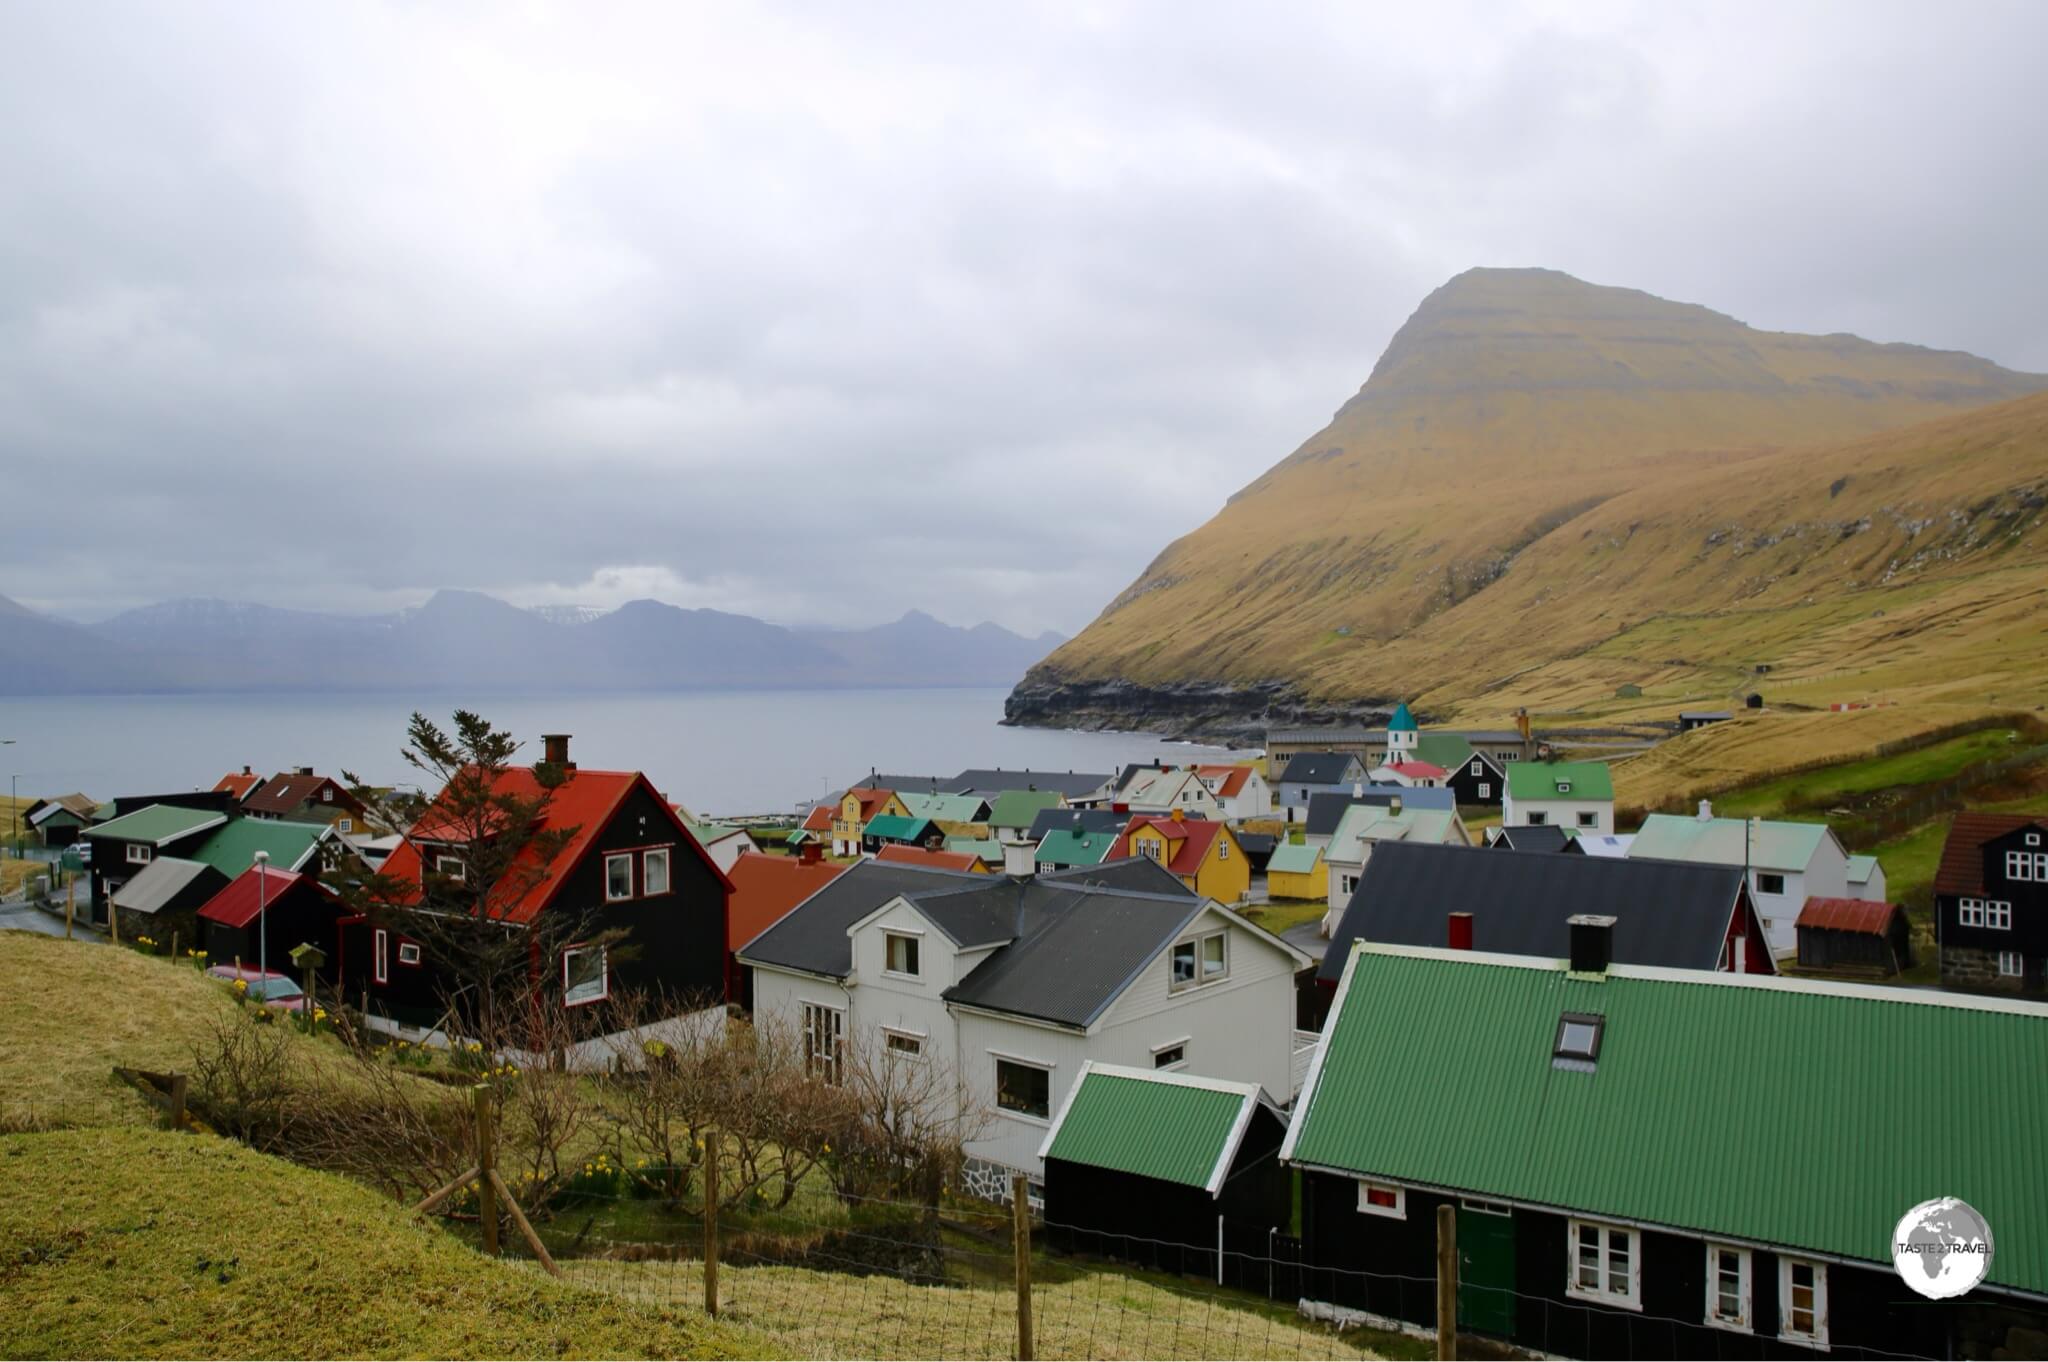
[1363, 826]
[1241, 790]
[1569, 794]
[1154, 790]
[1014, 985]
[1789, 863]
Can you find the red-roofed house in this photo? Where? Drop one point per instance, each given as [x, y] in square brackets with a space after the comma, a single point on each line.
[629, 866]
[1991, 903]
[764, 888]
[1415, 774]
[303, 797]
[1204, 853]
[1241, 789]
[938, 860]
[238, 783]
[300, 909]
[1858, 935]
[857, 807]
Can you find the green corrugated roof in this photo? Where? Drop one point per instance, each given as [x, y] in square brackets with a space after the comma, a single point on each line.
[1539, 779]
[233, 849]
[1861, 868]
[1016, 808]
[1064, 846]
[707, 833]
[1447, 750]
[1847, 1105]
[157, 824]
[1375, 823]
[942, 808]
[894, 827]
[1773, 845]
[1154, 1126]
[1293, 858]
[987, 848]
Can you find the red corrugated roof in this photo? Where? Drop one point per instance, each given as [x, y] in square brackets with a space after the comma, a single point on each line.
[1193, 835]
[284, 793]
[1962, 855]
[238, 783]
[766, 887]
[585, 801]
[946, 860]
[820, 818]
[1232, 778]
[238, 903]
[1418, 770]
[1849, 915]
[871, 800]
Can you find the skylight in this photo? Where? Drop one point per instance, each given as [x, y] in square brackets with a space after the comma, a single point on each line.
[1578, 1041]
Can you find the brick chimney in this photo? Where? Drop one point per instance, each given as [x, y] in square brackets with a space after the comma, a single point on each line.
[1461, 931]
[1177, 815]
[1592, 942]
[305, 770]
[810, 853]
[555, 750]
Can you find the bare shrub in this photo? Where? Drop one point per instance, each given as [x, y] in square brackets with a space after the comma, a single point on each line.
[242, 1081]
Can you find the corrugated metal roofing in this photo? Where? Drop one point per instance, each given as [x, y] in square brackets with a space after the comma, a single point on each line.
[247, 895]
[1772, 844]
[233, 849]
[943, 808]
[1848, 915]
[1321, 768]
[1540, 779]
[1020, 808]
[895, 827]
[1066, 847]
[1294, 858]
[1861, 868]
[162, 880]
[1364, 823]
[157, 824]
[1151, 1126]
[1778, 1111]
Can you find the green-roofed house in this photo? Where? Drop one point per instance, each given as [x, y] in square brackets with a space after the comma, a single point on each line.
[124, 846]
[1064, 848]
[987, 850]
[945, 808]
[1010, 818]
[1141, 1163]
[895, 829]
[724, 843]
[1474, 776]
[1639, 1165]
[1297, 870]
[1788, 862]
[296, 847]
[1569, 794]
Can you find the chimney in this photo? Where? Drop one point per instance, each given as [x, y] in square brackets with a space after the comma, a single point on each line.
[555, 750]
[1592, 942]
[305, 770]
[1706, 813]
[1178, 816]
[810, 853]
[1461, 931]
[1358, 789]
[1394, 806]
[247, 772]
[1522, 723]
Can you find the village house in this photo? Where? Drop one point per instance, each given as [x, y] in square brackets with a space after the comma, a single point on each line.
[1240, 789]
[889, 829]
[1542, 837]
[1501, 745]
[1364, 827]
[724, 843]
[1076, 789]
[143, 829]
[1010, 820]
[241, 784]
[1308, 774]
[962, 861]
[1622, 1195]
[1325, 811]
[630, 867]
[856, 809]
[1160, 790]
[1788, 862]
[1571, 794]
[162, 899]
[1202, 854]
[1014, 984]
[1297, 870]
[60, 820]
[1991, 903]
[303, 797]
[985, 850]
[1070, 848]
[262, 913]
[1475, 777]
[1855, 936]
[942, 808]
[764, 889]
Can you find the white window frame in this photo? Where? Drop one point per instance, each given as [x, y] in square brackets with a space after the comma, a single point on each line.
[914, 942]
[1222, 848]
[1478, 767]
[380, 956]
[1744, 1322]
[609, 861]
[1538, 818]
[1149, 848]
[1998, 915]
[1589, 818]
[1201, 976]
[1969, 912]
[1397, 1211]
[648, 860]
[893, 1034]
[1564, 787]
[2011, 965]
[1819, 1337]
[997, 1060]
[1481, 1206]
[1177, 1048]
[138, 854]
[344, 825]
[604, 974]
[1608, 1238]
[1486, 789]
[451, 866]
[409, 954]
[326, 794]
[824, 1028]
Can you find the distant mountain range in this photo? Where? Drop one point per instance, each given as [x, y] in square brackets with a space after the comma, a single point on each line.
[463, 640]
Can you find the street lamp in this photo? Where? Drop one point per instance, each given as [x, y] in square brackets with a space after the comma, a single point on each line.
[13, 805]
[263, 925]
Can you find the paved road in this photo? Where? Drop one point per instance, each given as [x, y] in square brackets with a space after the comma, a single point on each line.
[23, 917]
[1307, 937]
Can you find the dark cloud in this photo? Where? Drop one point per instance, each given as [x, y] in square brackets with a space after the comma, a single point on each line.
[822, 314]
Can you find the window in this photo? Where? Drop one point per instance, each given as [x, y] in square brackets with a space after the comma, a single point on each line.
[1478, 767]
[409, 953]
[900, 953]
[823, 1026]
[326, 794]
[1149, 848]
[1803, 1302]
[451, 866]
[1769, 883]
[618, 877]
[1995, 913]
[1200, 961]
[139, 855]
[344, 825]
[1727, 1287]
[1046, 867]
[1023, 1088]
[380, 956]
[1485, 789]
[1588, 819]
[1182, 964]
[654, 872]
[1215, 957]
[1382, 1198]
[2027, 865]
[1223, 848]
[1508, 756]
[1578, 1041]
[585, 979]
[1473, 1203]
[2033, 839]
[1537, 818]
[906, 1043]
[2011, 964]
[1170, 1056]
[1603, 1264]
[1564, 787]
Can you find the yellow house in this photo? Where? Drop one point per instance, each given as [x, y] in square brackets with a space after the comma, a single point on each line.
[1203, 853]
[1297, 871]
[856, 807]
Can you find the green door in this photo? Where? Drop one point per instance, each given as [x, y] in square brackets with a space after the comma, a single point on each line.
[1486, 1272]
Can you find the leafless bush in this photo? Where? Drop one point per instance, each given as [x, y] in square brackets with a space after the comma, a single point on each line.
[242, 1080]
[910, 1120]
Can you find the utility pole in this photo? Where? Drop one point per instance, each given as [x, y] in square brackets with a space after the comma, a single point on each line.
[13, 804]
[263, 926]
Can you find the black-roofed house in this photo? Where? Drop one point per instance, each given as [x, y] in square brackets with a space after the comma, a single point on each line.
[1015, 984]
[1667, 913]
[1081, 789]
[1145, 1165]
[1326, 810]
[1308, 774]
[1542, 837]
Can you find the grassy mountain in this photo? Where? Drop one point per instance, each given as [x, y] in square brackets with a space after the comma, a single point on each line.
[1548, 488]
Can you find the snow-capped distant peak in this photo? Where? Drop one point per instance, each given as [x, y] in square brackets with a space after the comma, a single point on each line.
[568, 614]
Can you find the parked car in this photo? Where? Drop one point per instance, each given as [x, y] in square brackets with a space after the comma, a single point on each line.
[269, 988]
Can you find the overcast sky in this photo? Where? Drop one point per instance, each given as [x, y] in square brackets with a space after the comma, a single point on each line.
[825, 312]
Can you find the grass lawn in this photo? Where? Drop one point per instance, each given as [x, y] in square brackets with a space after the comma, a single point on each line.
[1277, 915]
[1813, 790]
[15, 873]
[135, 1243]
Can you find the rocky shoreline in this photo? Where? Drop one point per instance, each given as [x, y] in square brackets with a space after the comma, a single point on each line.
[1221, 712]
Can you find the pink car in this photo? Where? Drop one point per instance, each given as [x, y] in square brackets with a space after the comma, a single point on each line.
[271, 989]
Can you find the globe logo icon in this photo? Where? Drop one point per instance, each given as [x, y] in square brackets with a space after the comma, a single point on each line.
[1942, 1248]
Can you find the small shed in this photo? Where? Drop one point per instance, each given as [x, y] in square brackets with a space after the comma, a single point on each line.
[163, 899]
[886, 829]
[1865, 935]
[1159, 1168]
[299, 908]
[1257, 848]
[1297, 870]
[1689, 719]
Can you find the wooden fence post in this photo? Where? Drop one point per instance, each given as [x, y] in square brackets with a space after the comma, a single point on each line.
[486, 1163]
[1020, 1220]
[178, 1082]
[1447, 1280]
[174, 947]
[711, 1139]
[70, 897]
